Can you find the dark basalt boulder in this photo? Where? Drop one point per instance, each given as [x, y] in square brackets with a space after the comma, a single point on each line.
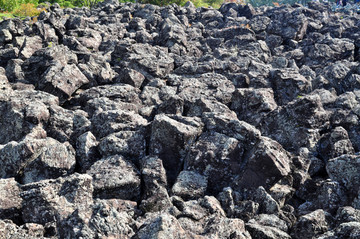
[131, 120]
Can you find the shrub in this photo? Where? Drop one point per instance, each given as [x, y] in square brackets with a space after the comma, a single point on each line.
[8, 5]
[26, 10]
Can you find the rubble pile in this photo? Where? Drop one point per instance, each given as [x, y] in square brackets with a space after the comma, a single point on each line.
[139, 121]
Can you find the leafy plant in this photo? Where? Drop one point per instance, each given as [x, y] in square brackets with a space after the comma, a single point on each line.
[8, 5]
[27, 9]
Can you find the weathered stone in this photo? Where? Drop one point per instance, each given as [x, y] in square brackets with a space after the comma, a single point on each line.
[56, 199]
[109, 218]
[30, 46]
[171, 137]
[311, 225]
[9, 229]
[131, 144]
[214, 152]
[212, 86]
[268, 232]
[252, 104]
[10, 200]
[115, 177]
[149, 61]
[131, 77]
[110, 97]
[36, 159]
[55, 80]
[345, 170]
[86, 150]
[8, 54]
[163, 226]
[155, 197]
[111, 121]
[267, 163]
[66, 125]
[297, 124]
[295, 84]
[335, 144]
[190, 185]
[347, 214]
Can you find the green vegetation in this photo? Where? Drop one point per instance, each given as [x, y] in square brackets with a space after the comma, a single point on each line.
[24, 8]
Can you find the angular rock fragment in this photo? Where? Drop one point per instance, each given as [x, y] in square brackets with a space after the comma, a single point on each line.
[66, 125]
[345, 170]
[252, 104]
[30, 46]
[155, 197]
[9, 229]
[86, 150]
[289, 85]
[171, 137]
[335, 144]
[111, 121]
[131, 144]
[10, 200]
[297, 124]
[56, 199]
[115, 177]
[108, 218]
[212, 153]
[163, 226]
[312, 224]
[266, 163]
[110, 97]
[62, 81]
[33, 160]
[190, 185]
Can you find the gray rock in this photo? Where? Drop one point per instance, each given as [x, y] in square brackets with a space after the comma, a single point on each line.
[131, 77]
[344, 169]
[30, 46]
[149, 61]
[163, 226]
[349, 230]
[171, 137]
[267, 204]
[212, 153]
[10, 199]
[347, 214]
[267, 162]
[268, 232]
[36, 159]
[211, 86]
[13, 70]
[110, 97]
[131, 144]
[55, 80]
[8, 54]
[297, 124]
[111, 121]
[66, 125]
[111, 217]
[56, 199]
[189, 185]
[295, 84]
[311, 225]
[28, 230]
[252, 104]
[335, 144]
[41, 60]
[115, 177]
[155, 197]
[86, 150]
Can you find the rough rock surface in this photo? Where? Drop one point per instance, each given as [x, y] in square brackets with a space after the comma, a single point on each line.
[138, 121]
